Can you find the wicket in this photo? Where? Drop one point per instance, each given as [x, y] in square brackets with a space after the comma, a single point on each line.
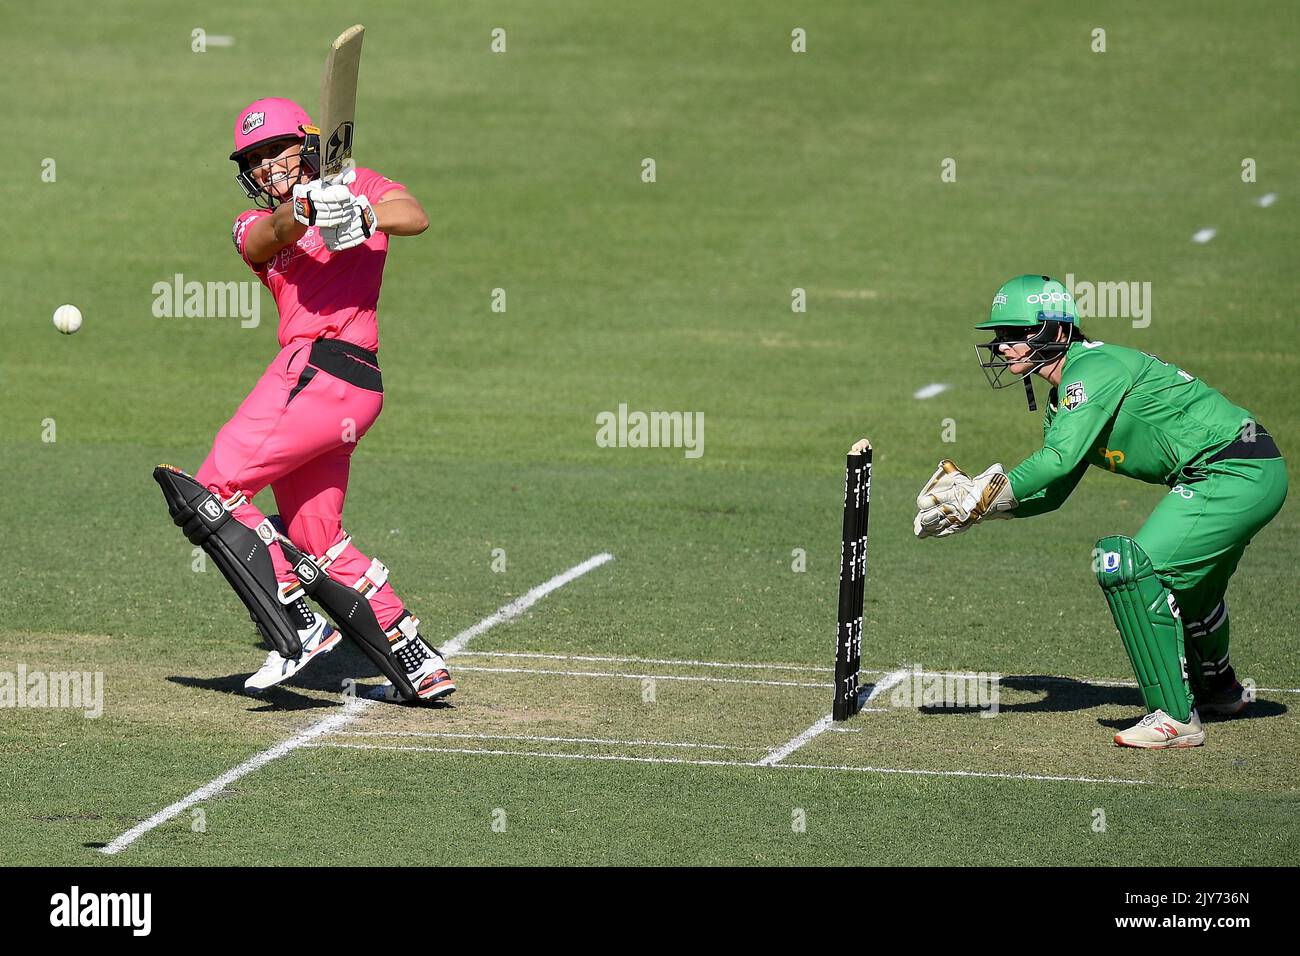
[853, 578]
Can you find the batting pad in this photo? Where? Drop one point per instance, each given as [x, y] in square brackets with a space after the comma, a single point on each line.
[240, 554]
[351, 613]
[1147, 617]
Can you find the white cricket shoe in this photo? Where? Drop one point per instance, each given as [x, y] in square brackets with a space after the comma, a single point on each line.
[1157, 731]
[320, 640]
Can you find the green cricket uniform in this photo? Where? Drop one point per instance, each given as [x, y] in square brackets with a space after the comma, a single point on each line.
[1130, 413]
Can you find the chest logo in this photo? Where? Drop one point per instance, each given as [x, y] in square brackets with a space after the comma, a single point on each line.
[1075, 395]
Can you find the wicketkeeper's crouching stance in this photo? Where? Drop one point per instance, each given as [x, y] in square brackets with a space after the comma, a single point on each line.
[320, 249]
[1132, 414]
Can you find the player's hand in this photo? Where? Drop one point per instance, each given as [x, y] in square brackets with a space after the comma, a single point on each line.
[356, 229]
[322, 204]
[952, 501]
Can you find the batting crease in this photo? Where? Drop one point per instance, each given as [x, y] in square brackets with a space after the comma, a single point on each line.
[352, 709]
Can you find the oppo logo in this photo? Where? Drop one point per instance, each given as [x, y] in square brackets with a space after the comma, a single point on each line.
[1043, 298]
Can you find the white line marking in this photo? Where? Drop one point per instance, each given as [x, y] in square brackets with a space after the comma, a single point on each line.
[795, 742]
[930, 391]
[461, 668]
[521, 604]
[885, 683]
[650, 660]
[351, 710]
[217, 40]
[825, 723]
[551, 740]
[743, 763]
[1095, 681]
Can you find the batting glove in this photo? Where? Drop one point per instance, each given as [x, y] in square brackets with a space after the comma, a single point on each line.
[356, 229]
[318, 204]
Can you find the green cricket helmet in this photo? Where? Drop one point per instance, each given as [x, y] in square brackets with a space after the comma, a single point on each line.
[1030, 310]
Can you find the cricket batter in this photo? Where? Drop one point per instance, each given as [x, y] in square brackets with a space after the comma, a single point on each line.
[1127, 412]
[320, 249]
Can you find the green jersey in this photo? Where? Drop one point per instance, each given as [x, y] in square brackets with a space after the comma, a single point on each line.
[1127, 412]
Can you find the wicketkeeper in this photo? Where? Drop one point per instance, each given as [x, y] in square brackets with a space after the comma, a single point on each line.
[1128, 412]
[319, 247]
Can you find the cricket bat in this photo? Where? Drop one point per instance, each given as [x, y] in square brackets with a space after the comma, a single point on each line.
[338, 103]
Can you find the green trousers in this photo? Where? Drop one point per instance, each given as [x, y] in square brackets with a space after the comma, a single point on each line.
[1196, 536]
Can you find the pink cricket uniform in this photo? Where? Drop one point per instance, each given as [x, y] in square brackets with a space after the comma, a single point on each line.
[297, 428]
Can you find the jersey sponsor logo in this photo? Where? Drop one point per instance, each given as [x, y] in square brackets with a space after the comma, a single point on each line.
[1044, 298]
[1182, 491]
[1113, 456]
[1075, 395]
[238, 230]
[252, 121]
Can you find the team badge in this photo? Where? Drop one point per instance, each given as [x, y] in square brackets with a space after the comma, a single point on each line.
[1075, 395]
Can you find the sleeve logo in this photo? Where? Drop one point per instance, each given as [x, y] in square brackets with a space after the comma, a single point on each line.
[1075, 395]
[238, 230]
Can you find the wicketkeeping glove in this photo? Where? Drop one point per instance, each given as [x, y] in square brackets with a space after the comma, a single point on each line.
[952, 501]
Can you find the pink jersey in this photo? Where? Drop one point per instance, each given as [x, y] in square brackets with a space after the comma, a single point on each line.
[320, 293]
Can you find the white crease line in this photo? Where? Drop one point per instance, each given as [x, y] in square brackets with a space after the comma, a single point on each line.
[795, 742]
[824, 723]
[552, 740]
[351, 710]
[742, 763]
[461, 668]
[651, 660]
[521, 604]
[1096, 682]
[885, 683]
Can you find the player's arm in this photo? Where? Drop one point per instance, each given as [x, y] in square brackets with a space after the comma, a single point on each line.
[267, 235]
[398, 213]
[1097, 387]
[1051, 497]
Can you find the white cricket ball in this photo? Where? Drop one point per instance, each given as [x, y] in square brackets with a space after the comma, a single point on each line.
[67, 319]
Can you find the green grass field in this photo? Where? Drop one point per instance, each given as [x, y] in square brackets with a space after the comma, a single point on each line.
[623, 717]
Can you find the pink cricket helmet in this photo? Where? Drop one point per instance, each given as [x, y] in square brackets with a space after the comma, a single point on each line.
[267, 119]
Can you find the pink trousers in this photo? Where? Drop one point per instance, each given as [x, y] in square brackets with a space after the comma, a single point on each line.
[296, 432]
